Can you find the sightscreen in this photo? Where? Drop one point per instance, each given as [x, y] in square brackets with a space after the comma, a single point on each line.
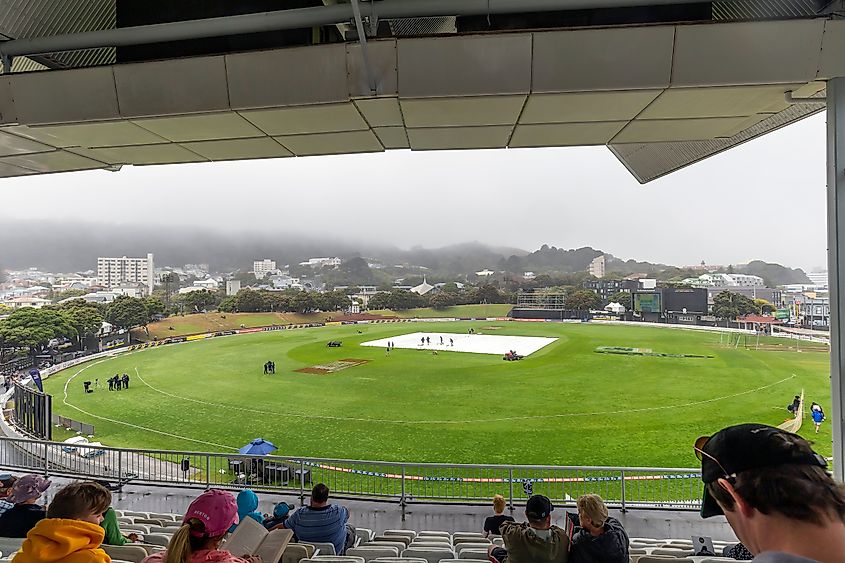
[32, 412]
[647, 302]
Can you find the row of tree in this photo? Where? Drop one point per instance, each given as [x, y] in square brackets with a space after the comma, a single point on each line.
[73, 321]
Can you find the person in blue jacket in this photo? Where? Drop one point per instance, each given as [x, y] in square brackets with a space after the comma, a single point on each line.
[248, 508]
[818, 415]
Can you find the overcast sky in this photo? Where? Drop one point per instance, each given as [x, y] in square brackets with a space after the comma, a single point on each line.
[765, 199]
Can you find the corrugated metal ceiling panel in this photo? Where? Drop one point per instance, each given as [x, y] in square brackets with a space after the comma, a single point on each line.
[649, 161]
[765, 9]
[423, 26]
[20, 19]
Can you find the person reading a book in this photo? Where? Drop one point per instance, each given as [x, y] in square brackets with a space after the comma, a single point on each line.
[71, 532]
[599, 538]
[537, 541]
[322, 522]
[775, 492]
[198, 539]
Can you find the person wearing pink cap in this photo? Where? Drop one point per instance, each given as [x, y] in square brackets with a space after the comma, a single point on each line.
[17, 521]
[205, 523]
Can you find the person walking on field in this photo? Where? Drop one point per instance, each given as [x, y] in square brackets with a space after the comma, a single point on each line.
[818, 416]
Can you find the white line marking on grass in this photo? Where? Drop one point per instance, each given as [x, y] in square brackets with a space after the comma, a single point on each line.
[503, 419]
[145, 428]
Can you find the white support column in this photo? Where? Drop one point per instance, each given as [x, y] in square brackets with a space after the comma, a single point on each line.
[836, 263]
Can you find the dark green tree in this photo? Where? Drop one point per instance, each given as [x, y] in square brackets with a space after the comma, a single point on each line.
[303, 302]
[729, 305]
[583, 300]
[86, 318]
[127, 312]
[380, 300]
[333, 301]
[34, 328]
[623, 298]
[155, 306]
[196, 301]
[443, 300]
[250, 301]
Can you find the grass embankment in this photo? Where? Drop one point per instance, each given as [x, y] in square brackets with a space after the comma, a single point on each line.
[459, 312]
[212, 322]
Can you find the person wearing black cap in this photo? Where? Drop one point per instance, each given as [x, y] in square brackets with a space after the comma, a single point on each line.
[537, 541]
[775, 492]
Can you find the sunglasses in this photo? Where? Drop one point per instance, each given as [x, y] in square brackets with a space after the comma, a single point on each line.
[701, 454]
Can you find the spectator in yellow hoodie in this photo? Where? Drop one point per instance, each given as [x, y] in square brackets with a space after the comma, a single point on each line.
[71, 533]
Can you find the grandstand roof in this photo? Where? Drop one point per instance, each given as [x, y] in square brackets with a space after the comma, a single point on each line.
[661, 86]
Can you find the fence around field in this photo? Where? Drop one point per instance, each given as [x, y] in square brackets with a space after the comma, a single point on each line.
[403, 483]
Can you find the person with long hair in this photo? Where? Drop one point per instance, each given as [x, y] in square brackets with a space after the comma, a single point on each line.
[203, 527]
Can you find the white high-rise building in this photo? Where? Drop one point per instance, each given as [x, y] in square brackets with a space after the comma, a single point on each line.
[597, 266]
[113, 272]
[263, 267]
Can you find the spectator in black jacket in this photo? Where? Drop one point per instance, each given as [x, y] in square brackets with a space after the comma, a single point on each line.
[17, 521]
[492, 523]
[600, 538]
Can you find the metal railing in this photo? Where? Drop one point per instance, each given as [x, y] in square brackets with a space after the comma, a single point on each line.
[399, 482]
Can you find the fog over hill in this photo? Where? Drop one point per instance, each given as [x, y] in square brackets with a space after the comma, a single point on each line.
[75, 246]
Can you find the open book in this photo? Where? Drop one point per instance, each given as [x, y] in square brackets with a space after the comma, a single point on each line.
[250, 538]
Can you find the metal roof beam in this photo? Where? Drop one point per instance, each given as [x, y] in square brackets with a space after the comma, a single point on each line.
[301, 18]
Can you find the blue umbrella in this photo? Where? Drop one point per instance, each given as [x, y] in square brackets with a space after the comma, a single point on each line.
[259, 446]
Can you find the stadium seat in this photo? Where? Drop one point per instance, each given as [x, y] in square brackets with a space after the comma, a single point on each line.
[370, 552]
[674, 552]
[438, 533]
[364, 534]
[473, 553]
[403, 539]
[650, 559]
[148, 547]
[163, 530]
[498, 542]
[166, 517]
[432, 555]
[469, 539]
[150, 521]
[410, 534]
[399, 560]
[295, 552]
[157, 539]
[472, 545]
[465, 560]
[336, 559]
[125, 520]
[431, 543]
[131, 553]
[326, 548]
[397, 544]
